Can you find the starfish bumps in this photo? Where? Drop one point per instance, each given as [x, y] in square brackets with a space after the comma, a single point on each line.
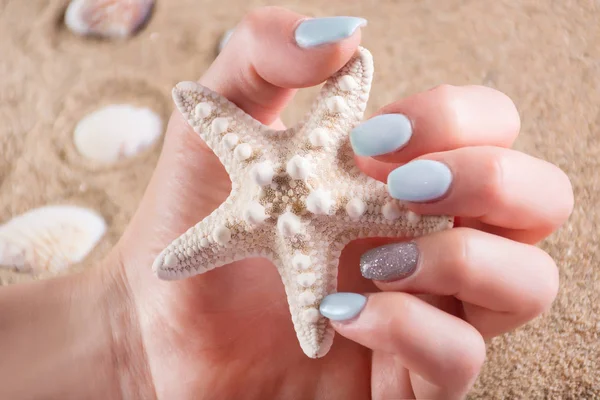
[297, 197]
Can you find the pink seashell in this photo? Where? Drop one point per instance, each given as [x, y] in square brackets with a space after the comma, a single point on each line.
[107, 18]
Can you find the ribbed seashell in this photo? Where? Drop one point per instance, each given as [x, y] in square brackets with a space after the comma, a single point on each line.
[107, 18]
[49, 238]
[116, 132]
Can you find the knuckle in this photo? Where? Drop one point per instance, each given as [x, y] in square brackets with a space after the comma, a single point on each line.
[491, 185]
[257, 17]
[447, 98]
[459, 258]
[390, 325]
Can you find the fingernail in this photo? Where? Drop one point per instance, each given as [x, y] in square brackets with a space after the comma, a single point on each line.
[342, 306]
[317, 31]
[390, 262]
[381, 134]
[420, 180]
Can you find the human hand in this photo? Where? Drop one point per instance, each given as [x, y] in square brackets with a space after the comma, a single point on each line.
[228, 334]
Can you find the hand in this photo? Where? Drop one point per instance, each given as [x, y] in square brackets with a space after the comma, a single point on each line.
[228, 334]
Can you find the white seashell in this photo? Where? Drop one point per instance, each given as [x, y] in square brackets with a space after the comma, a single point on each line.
[115, 132]
[107, 18]
[49, 238]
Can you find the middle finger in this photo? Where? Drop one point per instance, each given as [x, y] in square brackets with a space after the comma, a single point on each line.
[441, 119]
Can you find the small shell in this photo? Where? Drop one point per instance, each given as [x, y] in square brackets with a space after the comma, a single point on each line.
[107, 18]
[115, 132]
[49, 238]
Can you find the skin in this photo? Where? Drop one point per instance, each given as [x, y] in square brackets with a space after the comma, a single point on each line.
[116, 331]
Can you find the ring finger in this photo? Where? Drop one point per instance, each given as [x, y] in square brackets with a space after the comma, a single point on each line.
[502, 283]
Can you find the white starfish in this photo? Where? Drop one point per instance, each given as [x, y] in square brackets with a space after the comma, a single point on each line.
[297, 197]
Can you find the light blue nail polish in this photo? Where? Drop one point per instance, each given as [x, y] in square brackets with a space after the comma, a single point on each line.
[420, 180]
[381, 134]
[317, 31]
[342, 306]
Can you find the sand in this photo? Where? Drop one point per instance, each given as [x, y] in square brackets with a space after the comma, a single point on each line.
[544, 54]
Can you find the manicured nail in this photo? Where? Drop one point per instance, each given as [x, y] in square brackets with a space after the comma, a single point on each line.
[342, 306]
[390, 262]
[317, 31]
[381, 134]
[420, 180]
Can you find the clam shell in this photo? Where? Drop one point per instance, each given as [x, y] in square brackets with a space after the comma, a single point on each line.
[107, 18]
[116, 132]
[49, 238]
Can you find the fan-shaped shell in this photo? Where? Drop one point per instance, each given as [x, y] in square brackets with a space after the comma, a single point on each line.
[116, 131]
[49, 238]
[107, 18]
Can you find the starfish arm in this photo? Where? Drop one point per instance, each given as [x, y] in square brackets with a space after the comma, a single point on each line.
[235, 137]
[339, 106]
[366, 209]
[324, 140]
[217, 240]
[307, 263]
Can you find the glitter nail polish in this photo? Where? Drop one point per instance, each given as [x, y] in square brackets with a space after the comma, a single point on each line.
[390, 262]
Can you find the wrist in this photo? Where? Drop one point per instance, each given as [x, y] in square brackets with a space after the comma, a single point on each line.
[129, 366]
[60, 338]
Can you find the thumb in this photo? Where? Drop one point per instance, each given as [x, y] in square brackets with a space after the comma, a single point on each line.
[272, 53]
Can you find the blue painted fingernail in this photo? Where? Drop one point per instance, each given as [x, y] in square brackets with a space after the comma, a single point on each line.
[420, 180]
[381, 134]
[342, 306]
[317, 31]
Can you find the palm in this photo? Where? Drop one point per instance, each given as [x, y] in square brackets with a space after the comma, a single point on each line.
[231, 327]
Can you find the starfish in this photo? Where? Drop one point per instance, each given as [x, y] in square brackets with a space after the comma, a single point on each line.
[297, 196]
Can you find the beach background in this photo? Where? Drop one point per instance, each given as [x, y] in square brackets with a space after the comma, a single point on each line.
[544, 54]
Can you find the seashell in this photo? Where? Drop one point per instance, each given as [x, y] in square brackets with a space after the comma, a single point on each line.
[115, 132]
[49, 238]
[107, 18]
